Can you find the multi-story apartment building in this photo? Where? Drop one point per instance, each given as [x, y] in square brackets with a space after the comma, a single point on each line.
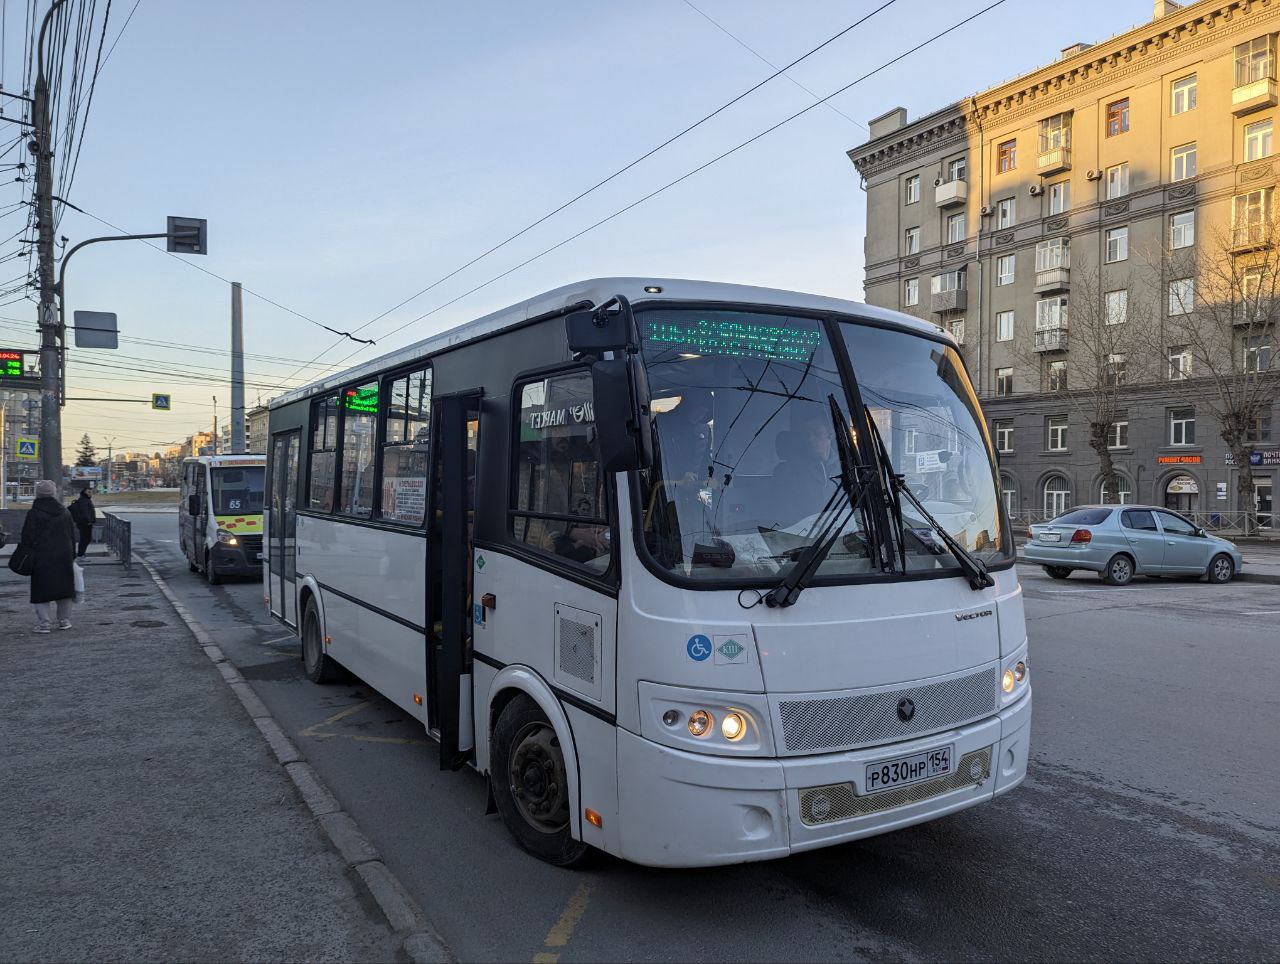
[1082, 180]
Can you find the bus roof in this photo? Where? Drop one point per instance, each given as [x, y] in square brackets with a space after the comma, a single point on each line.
[598, 291]
[216, 461]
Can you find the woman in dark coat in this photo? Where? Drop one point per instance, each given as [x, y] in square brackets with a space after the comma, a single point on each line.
[51, 535]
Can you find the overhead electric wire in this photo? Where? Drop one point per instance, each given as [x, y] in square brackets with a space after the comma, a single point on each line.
[702, 167]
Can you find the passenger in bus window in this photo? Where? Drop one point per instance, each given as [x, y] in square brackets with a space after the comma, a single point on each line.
[803, 475]
[685, 431]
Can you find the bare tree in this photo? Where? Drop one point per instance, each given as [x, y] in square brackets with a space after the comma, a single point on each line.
[1221, 299]
[1088, 347]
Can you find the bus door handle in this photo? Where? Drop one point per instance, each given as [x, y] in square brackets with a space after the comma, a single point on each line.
[489, 601]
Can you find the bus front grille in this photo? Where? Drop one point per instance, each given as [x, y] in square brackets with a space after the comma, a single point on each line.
[840, 801]
[864, 719]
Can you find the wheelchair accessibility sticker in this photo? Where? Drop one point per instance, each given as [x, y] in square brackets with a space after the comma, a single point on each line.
[698, 648]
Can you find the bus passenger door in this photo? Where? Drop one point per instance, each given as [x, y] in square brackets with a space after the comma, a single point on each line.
[452, 523]
[282, 551]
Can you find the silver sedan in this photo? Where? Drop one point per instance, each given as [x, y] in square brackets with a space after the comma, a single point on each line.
[1121, 541]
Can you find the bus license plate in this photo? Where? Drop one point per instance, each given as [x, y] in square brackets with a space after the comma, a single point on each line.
[259, 557]
[908, 769]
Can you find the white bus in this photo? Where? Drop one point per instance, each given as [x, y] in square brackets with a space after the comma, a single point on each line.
[694, 573]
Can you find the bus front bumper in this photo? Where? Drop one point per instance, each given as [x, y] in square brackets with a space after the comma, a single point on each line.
[236, 560]
[681, 809]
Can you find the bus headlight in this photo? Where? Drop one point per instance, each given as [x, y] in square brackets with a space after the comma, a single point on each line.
[700, 723]
[705, 721]
[1015, 676]
[1007, 681]
[227, 538]
[733, 726]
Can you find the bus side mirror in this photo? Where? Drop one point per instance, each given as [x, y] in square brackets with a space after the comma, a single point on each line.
[595, 331]
[193, 504]
[621, 403]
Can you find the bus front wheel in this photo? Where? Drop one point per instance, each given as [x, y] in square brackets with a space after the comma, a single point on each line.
[319, 666]
[530, 784]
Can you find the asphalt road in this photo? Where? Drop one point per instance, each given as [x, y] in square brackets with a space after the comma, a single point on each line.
[1148, 827]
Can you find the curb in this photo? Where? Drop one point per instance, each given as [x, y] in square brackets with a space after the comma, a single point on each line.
[420, 942]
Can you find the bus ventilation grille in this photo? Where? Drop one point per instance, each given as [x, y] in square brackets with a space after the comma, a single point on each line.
[862, 719]
[840, 801]
[577, 649]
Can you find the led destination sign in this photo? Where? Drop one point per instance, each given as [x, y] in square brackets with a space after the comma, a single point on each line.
[735, 337]
[12, 363]
[361, 400]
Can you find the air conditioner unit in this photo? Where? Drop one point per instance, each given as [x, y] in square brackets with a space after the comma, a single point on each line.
[986, 210]
[1094, 175]
[1035, 190]
[937, 182]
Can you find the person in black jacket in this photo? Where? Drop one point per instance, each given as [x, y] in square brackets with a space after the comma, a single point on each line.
[51, 536]
[84, 515]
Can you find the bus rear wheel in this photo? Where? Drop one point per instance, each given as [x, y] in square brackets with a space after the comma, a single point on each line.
[319, 666]
[530, 784]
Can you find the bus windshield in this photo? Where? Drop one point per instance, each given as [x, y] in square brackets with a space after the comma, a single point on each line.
[238, 489]
[746, 410]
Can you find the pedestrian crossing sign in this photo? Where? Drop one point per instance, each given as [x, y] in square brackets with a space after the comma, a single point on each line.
[27, 448]
[162, 403]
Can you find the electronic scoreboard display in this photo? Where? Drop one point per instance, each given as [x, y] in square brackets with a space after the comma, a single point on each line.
[12, 363]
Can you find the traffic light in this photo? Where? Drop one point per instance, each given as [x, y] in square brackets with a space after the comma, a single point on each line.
[188, 235]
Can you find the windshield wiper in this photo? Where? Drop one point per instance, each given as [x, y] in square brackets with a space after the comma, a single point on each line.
[972, 568]
[840, 508]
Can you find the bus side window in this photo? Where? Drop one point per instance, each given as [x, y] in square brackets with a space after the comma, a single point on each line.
[324, 454]
[406, 448]
[558, 490]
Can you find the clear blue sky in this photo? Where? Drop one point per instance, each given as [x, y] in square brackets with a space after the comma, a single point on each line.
[348, 155]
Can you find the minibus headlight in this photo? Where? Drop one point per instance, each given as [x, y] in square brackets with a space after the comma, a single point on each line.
[1015, 676]
[700, 723]
[733, 726]
[227, 538]
[1020, 670]
[1007, 681]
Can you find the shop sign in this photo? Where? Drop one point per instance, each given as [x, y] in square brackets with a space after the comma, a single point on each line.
[1177, 460]
[1183, 484]
[1271, 457]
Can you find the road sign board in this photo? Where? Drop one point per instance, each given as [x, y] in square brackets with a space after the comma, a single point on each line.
[81, 472]
[27, 448]
[12, 363]
[96, 329]
[162, 403]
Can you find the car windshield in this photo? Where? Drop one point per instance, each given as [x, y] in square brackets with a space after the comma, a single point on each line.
[746, 409]
[238, 490]
[1083, 517]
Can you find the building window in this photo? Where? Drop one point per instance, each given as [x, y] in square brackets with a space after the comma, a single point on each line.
[1182, 296]
[1179, 362]
[1257, 140]
[1251, 217]
[1115, 371]
[1004, 382]
[956, 329]
[1117, 117]
[1055, 376]
[1051, 312]
[1054, 253]
[1259, 429]
[911, 241]
[1118, 434]
[1118, 180]
[1059, 197]
[1003, 431]
[1055, 133]
[1117, 244]
[911, 292]
[559, 489]
[1117, 307]
[1182, 229]
[1256, 60]
[1182, 426]
[1004, 326]
[1182, 94]
[1006, 212]
[947, 281]
[1182, 162]
[1125, 494]
[955, 228]
[1009, 494]
[1257, 353]
[911, 189]
[359, 437]
[405, 450]
[1004, 269]
[324, 453]
[1056, 427]
[1007, 156]
[957, 169]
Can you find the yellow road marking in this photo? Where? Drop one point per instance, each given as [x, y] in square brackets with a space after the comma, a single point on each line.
[314, 729]
[562, 930]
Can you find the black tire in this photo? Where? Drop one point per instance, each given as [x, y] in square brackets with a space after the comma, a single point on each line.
[530, 786]
[1119, 571]
[211, 574]
[1057, 572]
[319, 666]
[1221, 569]
[193, 567]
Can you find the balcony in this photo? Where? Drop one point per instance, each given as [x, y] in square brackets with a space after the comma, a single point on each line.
[956, 299]
[951, 193]
[1053, 279]
[1251, 237]
[1254, 95]
[1054, 161]
[1051, 339]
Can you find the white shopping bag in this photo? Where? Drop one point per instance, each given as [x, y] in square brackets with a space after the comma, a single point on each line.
[79, 571]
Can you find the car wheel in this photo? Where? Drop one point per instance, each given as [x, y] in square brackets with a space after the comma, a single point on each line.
[1057, 572]
[1221, 569]
[530, 784]
[1119, 570]
[210, 573]
[320, 667]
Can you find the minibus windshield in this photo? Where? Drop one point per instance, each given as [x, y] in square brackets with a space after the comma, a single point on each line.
[746, 406]
[238, 490]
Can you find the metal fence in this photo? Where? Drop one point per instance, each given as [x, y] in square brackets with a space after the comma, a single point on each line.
[118, 535]
[1227, 523]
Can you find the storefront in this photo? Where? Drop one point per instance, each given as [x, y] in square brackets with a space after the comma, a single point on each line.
[1182, 494]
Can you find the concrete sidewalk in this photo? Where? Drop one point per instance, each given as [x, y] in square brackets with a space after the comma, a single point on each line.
[144, 816]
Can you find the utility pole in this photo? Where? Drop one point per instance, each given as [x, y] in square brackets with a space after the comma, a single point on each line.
[215, 424]
[237, 371]
[50, 363]
[111, 464]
